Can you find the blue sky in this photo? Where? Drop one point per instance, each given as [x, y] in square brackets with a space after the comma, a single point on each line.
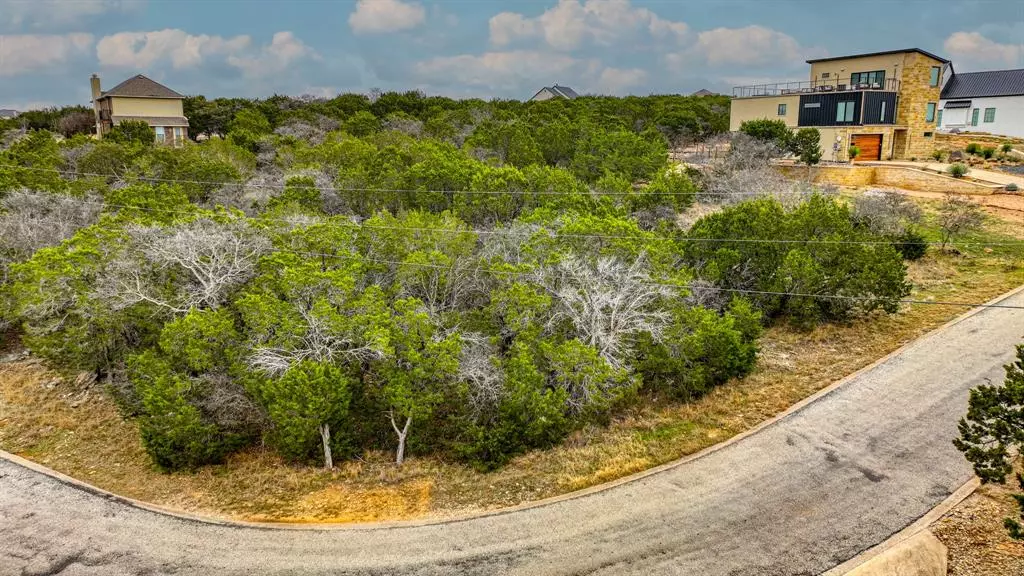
[485, 48]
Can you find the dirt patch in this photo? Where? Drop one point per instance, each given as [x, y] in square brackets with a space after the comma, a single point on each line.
[974, 533]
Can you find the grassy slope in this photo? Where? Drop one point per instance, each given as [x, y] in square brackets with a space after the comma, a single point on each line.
[78, 431]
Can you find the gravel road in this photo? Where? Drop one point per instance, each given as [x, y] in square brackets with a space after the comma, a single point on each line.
[797, 497]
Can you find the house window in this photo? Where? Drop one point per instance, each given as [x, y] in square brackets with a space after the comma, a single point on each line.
[933, 80]
[812, 105]
[881, 116]
[160, 136]
[873, 79]
[928, 134]
[929, 115]
[990, 114]
[974, 117]
[782, 109]
[939, 121]
[844, 111]
[826, 75]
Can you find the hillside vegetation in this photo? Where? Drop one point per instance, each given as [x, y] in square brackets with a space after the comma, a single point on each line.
[463, 279]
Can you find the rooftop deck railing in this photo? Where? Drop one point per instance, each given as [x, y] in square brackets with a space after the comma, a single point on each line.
[814, 87]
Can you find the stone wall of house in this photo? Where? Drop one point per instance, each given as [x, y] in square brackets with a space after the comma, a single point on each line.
[892, 176]
[950, 142]
[915, 94]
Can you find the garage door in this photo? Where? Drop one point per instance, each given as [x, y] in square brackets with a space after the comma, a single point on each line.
[870, 146]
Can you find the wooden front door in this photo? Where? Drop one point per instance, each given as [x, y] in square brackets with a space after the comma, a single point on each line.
[870, 146]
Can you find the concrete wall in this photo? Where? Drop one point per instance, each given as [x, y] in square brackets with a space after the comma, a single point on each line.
[842, 69]
[1009, 116]
[892, 176]
[761, 107]
[147, 106]
[920, 555]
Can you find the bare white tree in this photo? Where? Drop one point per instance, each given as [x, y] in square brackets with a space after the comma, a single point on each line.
[477, 367]
[607, 303]
[320, 342]
[195, 265]
[885, 212]
[33, 220]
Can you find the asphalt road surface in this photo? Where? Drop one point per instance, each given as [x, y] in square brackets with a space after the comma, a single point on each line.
[798, 497]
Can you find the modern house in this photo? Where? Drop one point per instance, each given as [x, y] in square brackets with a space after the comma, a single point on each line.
[552, 92]
[139, 98]
[885, 103]
[984, 102]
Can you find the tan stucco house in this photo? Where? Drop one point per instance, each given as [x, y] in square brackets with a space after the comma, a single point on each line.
[139, 98]
[885, 103]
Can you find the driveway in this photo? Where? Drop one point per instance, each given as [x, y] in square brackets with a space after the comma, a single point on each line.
[799, 496]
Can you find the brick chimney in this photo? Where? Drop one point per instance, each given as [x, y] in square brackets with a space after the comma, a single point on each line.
[94, 83]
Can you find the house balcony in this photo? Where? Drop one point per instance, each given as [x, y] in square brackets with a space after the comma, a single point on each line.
[823, 86]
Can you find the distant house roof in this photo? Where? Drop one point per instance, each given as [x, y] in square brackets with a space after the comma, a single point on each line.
[703, 92]
[565, 91]
[918, 50]
[141, 87]
[7, 113]
[154, 120]
[985, 84]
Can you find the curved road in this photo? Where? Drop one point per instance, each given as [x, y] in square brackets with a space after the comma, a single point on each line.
[797, 497]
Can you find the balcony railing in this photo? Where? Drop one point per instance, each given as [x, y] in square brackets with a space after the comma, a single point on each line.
[813, 87]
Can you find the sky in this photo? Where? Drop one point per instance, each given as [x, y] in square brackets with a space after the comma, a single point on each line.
[472, 48]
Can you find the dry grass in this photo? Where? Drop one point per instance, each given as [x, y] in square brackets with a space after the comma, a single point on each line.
[974, 533]
[79, 432]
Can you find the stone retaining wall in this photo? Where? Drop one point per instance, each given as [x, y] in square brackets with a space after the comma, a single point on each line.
[893, 176]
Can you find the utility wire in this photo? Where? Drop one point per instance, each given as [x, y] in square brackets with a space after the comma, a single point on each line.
[510, 232]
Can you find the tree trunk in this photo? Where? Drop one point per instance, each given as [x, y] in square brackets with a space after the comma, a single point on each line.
[400, 453]
[325, 435]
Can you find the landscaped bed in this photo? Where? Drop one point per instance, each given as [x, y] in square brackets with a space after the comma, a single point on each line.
[76, 429]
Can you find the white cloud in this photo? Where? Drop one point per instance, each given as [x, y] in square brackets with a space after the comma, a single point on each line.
[34, 52]
[376, 16]
[57, 13]
[571, 23]
[618, 80]
[284, 50]
[751, 46]
[141, 50]
[975, 49]
[513, 70]
[183, 50]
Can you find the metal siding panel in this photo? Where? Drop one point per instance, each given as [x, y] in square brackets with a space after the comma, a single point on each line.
[873, 107]
[826, 114]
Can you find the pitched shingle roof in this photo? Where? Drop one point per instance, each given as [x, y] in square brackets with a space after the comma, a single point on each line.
[141, 87]
[154, 120]
[985, 84]
[565, 91]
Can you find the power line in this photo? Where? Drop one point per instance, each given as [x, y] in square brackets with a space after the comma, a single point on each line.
[553, 234]
[386, 190]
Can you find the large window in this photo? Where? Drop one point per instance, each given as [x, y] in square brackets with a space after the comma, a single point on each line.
[782, 109]
[929, 115]
[939, 121]
[974, 117]
[844, 111]
[933, 80]
[160, 133]
[990, 114]
[873, 79]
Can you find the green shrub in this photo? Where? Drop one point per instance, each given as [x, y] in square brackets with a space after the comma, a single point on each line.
[912, 245]
[774, 131]
[973, 148]
[1006, 147]
[938, 155]
[988, 153]
[854, 151]
[132, 132]
[957, 170]
[1011, 187]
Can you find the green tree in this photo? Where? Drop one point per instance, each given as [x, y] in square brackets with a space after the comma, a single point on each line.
[806, 145]
[774, 131]
[305, 404]
[992, 433]
[361, 124]
[132, 132]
